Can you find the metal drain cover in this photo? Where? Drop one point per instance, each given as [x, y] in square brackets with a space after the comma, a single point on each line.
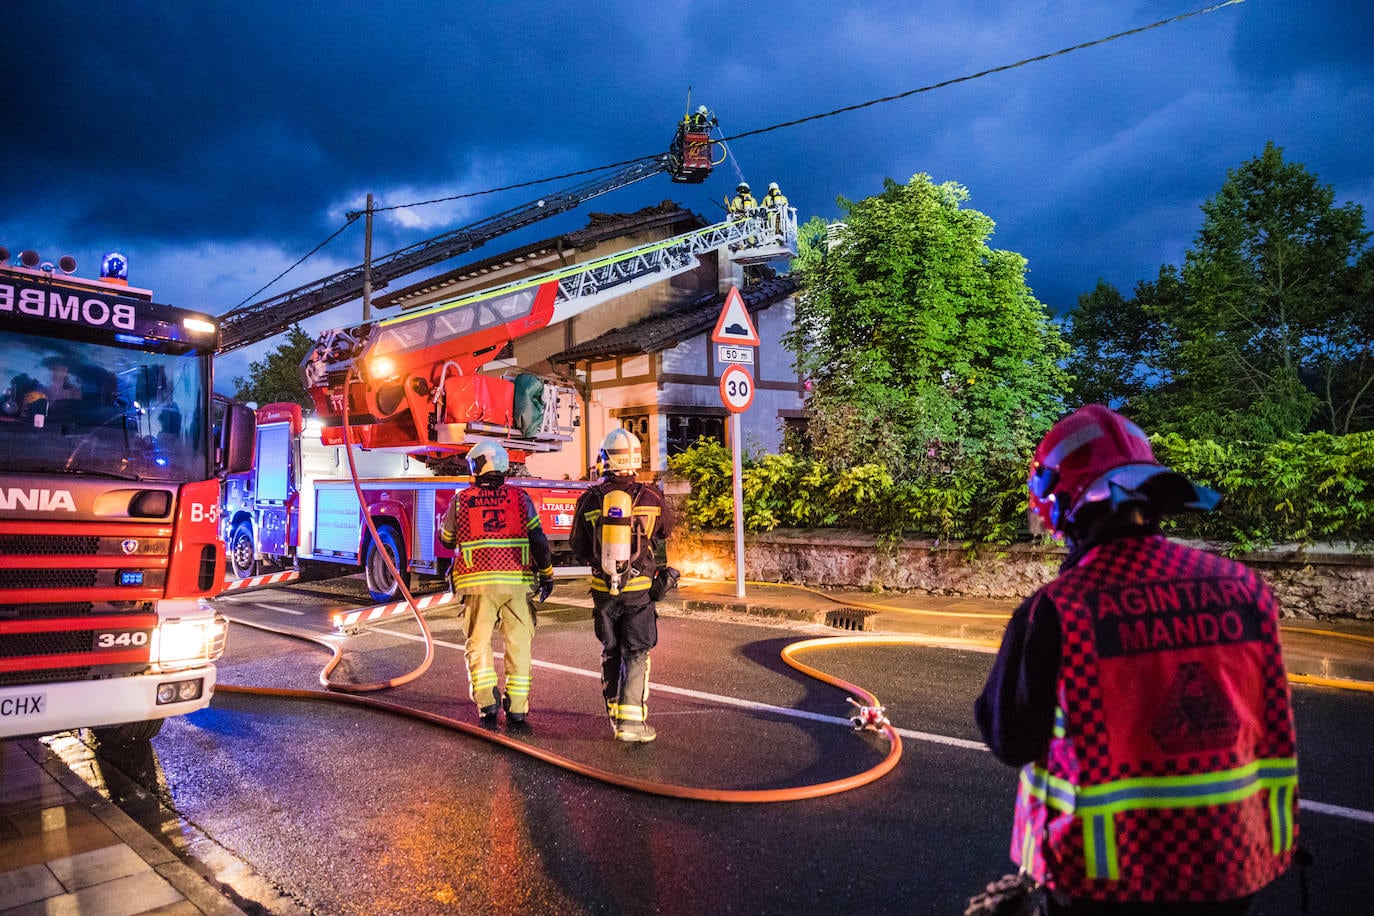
[850, 618]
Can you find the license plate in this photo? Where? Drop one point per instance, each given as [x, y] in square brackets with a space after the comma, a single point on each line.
[20, 707]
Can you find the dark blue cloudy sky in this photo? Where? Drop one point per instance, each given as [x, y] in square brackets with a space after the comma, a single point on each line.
[215, 143]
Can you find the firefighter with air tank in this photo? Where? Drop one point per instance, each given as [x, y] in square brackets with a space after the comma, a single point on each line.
[620, 530]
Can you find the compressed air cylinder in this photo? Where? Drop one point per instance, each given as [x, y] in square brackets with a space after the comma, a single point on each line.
[616, 520]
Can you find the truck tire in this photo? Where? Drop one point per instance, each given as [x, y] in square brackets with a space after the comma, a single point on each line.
[127, 733]
[381, 584]
[241, 551]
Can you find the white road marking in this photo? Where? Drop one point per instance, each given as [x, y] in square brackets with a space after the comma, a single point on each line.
[279, 609]
[1354, 814]
[1315, 807]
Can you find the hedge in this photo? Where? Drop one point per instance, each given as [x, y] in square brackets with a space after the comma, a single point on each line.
[1314, 488]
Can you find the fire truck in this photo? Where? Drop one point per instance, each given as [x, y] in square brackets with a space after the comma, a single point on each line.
[298, 506]
[418, 391]
[108, 503]
[417, 399]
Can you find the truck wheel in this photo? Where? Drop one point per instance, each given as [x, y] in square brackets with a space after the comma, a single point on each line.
[126, 734]
[381, 584]
[241, 551]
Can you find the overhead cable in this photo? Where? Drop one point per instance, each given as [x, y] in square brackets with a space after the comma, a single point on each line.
[763, 130]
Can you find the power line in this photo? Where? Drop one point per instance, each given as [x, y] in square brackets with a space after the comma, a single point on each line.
[348, 222]
[982, 73]
[353, 215]
[830, 114]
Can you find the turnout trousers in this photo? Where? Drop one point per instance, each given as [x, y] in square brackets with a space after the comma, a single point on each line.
[509, 609]
[627, 626]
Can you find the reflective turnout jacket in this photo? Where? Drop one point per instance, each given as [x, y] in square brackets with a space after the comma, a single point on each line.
[496, 538]
[1171, 772]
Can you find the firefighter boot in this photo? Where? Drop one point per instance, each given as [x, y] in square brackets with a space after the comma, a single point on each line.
[487, 714]
[512, 718]
[639, 732]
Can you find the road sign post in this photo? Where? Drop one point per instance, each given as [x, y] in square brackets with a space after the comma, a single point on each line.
[737, 461]
[736, 336]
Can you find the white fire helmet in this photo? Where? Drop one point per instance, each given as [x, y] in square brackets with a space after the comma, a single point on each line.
[619, 453]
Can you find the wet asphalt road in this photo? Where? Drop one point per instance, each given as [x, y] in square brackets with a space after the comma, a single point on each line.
[306, 806]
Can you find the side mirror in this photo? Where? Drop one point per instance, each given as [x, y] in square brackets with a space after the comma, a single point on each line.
[236, 439]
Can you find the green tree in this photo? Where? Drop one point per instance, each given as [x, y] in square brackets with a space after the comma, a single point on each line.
[1266, 332]
[922, 343]
[1118, 347]
[277, 376]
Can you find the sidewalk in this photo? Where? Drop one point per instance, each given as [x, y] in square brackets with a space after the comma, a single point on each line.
[65, 849]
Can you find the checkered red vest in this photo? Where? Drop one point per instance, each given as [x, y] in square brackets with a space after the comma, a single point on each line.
[1171, 774]
[492, 534]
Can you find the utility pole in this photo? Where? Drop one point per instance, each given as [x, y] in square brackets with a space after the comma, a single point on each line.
[367, 264]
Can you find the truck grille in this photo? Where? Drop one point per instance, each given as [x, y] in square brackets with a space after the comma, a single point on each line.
[109, 637]
[18, 645]
[57, 675]
[79, 545]
[50, 544]
[74, 578]
[72, 609]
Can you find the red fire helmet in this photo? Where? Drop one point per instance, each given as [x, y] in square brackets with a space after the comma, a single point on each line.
[1095, 455]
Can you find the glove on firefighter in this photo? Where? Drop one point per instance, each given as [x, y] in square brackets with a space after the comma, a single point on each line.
[544, 588]
[665, 580]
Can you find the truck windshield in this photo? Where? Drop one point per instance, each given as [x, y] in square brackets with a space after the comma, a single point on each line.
[78, 407]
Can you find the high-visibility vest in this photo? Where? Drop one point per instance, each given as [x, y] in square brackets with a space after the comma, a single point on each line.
[1171, 774]
[490, 537]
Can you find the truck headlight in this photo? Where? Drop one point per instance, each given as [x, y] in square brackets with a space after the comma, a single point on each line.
[188, 642]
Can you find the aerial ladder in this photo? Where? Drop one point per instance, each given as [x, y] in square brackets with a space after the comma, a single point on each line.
[413, 382]
[688, 161]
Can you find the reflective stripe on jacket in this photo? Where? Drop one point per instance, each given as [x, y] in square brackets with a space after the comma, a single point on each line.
[1171, 774]
[496, 537]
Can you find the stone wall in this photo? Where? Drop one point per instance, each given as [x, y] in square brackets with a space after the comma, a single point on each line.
[1325, 584]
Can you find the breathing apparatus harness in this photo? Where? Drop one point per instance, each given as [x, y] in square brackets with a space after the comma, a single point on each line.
[619, 534]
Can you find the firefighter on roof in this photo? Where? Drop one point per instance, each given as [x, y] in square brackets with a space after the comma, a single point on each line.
[1143, 693]
[620, 530]
[494, 532]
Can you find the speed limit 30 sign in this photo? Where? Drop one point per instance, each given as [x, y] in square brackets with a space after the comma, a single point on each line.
[736, 389]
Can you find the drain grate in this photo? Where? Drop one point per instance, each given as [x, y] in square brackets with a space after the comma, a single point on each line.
[850, 618]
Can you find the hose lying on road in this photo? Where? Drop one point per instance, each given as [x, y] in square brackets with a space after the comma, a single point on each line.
[1310, 680]
[670, 790]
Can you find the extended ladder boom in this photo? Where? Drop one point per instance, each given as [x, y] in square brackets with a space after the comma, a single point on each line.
[258, 321]
[413, 380]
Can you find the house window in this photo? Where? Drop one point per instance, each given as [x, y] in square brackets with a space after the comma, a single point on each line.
[685, 429]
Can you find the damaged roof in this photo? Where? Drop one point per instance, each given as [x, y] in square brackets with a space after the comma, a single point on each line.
[660, 332]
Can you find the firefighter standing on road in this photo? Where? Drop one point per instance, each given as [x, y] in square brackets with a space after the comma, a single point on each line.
[1143, 691]
[620, 529]
[494, 531]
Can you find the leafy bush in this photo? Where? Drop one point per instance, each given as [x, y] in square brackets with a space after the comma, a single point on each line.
[1316, 487]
